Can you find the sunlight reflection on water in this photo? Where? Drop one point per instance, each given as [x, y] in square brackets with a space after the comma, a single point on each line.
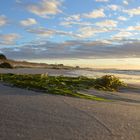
[126, 76]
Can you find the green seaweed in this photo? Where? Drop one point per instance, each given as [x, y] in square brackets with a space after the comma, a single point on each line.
[59, 85]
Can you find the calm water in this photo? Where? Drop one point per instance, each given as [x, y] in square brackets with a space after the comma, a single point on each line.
[129, 76]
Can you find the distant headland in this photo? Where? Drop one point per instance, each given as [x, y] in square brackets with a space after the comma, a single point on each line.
[9, 63]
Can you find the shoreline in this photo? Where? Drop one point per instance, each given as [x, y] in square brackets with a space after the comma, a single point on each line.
[127, 95]
[122, 94]
[131, 80]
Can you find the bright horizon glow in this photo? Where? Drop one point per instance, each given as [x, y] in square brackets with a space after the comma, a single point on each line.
[122, 63]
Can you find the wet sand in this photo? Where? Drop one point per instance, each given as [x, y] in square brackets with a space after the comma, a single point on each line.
[29, 115]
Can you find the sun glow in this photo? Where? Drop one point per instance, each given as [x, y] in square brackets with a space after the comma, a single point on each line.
[121, 63]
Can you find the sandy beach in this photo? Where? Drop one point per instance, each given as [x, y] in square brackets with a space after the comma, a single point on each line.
[33, 115]
[36, 116]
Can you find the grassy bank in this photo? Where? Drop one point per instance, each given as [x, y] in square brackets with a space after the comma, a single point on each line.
[60, 85]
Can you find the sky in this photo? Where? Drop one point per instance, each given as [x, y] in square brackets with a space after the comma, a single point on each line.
[88, 33]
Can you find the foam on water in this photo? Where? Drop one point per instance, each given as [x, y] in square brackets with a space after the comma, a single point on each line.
[128, 76]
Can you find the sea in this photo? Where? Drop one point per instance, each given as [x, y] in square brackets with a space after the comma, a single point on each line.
[128, 76]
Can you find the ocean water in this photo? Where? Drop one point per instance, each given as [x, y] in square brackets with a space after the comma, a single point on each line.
[128, 76]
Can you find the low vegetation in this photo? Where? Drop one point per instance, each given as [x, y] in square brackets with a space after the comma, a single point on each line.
[4, 62]
[109, 82]
[6, 65]
[60, 85]
[3, 57]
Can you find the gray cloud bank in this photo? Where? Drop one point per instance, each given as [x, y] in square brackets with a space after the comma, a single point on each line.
[73, 49]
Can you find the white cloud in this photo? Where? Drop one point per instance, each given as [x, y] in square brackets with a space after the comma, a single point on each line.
[28, 22]
[99, 13]
[8, 39]
[86, 32]
[18, 1]
[44, 32]
[41, 32]
[76, 19]
[3, 20]
[83, 32]
[133, 28]
[73, 18]
[107, 23]
[133, 12]
[125, 2]
[45, 8]
[70, 23]
[114, 7]
[101, 0]
[122, 18]
[122, 34]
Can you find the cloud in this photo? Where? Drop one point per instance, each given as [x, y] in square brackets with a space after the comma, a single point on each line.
[8, 39]
[18, 1]
[71, 20]
[45, 8]
[125, 2]
[122, 18]
[102, 0]
[70, 23]
[122, 34]
[28, 22]
[3, 20]
[107, 23]
[76, 17]
[133, 12]
[44, 32]
[133, 28]
[99, 13]
[81, 33]
[74, 49]
[114, 7]
[86, 32]
[41, 31]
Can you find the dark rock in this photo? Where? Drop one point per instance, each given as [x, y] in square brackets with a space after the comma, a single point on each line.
[6, 65]
[3, 57]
